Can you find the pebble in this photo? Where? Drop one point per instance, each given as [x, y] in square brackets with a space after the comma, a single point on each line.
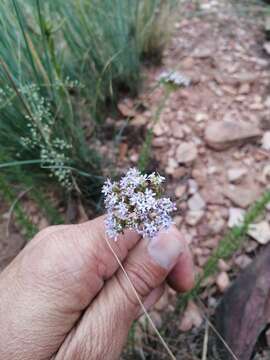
[191, 317]
[266, 141]
[223, 266]
[244, 88]
[177, 131]
[223, 135]
[194, 217]
[186, 153]
[242, 196]
[223, 281]
[196, 202]
[180, 191]
[192, 186]
[235, 175]
[199, 117]
[236, 217]
[242, 261]
[260, 232]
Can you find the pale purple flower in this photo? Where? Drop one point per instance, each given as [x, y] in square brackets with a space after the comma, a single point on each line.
[134, 202]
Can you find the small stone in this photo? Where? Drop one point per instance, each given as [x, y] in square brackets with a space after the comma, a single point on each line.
[266, 47]
[211, 170]
[172, 165]
[187, 63]
[216, 225]
[223, 135]
[223, 281]
[194, 217]
[243, 261]
[159, 129]
[191, 317]
[177, 131]
[163, 302]
[244, 88]
[242, 196]
[266, 141]
[159, 142]
[192, 186]
[236, 175]
[196, 202]
[178, 220]
[180, 191]
[266, 174]
[260, 232]
[134, 157]
[186, 153]
[199, 117]
[126, 107]
[256, 106]
[223, 266]
[236, 217]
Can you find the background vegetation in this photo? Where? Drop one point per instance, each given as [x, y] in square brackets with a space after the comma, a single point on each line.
[62, 65]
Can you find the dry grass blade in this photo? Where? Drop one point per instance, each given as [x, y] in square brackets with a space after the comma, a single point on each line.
[204, 311]
[205, 342]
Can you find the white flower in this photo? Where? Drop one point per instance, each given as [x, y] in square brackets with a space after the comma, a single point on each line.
[135, 203]
[174, 77]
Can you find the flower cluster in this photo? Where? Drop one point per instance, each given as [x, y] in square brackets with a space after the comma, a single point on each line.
[41, 135]
[135, 202]
[175, 78]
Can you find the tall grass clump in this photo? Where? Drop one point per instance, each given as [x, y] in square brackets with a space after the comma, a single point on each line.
[39, 126]
[60, 64]
[107, 40]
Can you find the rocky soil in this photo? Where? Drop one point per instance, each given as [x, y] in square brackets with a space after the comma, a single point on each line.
[212, 137]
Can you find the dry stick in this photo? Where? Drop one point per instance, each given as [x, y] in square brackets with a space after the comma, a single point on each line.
[216, 332]
[140, 302]
[205, 342]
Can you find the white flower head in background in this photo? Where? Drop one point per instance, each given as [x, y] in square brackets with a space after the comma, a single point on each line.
[174, 78]
[136, 202]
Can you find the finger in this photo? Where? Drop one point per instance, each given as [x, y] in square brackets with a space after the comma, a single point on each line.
[152, 298]
[182, 276]
[146, 266]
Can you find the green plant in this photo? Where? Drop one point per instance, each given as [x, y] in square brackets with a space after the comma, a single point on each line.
[39, 124]
[106, 40]
[21, 218]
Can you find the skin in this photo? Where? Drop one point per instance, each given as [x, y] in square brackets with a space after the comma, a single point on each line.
[64, 296]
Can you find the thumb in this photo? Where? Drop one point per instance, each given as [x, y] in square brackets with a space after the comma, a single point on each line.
[146, 268]
[107, 321]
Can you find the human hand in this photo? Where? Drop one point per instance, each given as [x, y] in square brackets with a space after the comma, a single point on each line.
[65, 297]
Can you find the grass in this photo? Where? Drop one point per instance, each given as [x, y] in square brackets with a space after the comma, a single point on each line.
[38, 119]
[60, 62]
[108, 57]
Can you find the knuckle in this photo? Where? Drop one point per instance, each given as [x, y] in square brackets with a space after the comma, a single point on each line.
[141, 277]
